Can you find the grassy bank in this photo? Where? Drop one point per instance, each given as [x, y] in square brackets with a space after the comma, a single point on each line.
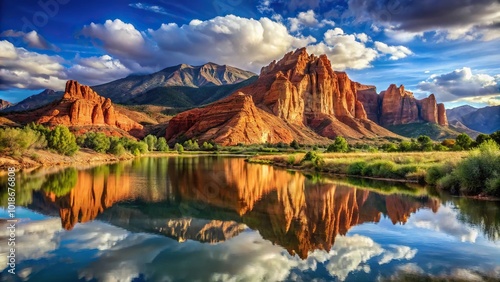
[474, 173]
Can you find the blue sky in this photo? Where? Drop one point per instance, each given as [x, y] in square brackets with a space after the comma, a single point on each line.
[449, 48]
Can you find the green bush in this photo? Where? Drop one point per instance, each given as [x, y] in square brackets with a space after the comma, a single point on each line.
[191, 145]
[179, 148]
[98, 142]
[116, 146]
[207, 146]
[291, 160]
[463, 141]
[382, 168]
[478, 173]
[161, 145]
[340, 145]
[295, 144]
[15, 141]
[62, 140]
[313, 157]
[356, 168]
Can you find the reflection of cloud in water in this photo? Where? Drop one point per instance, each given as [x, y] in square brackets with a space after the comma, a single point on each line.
[34, 240]
[445, 221]
[122, 256]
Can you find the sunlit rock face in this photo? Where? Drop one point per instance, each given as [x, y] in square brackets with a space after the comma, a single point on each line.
[396, 106]
[80, 106]
[299, 97]
[212, 200]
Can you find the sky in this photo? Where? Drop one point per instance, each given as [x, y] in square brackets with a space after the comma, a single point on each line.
[448, 47]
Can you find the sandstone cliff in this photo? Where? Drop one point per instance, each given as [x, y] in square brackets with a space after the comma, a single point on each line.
[398, 106]
[4, 104]
[80, 106]
[299, 97]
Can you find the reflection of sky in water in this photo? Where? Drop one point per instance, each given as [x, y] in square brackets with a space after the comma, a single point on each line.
[430, 243]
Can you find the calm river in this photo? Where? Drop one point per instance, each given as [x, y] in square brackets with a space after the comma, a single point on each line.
[221, 219]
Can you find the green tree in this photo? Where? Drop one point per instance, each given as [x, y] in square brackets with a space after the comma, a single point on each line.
[98, 142]
[463, 141]
[15, 141]
[116, 146]
[161, 145]
[191, 145]
[481, 138]
[405, 146]
[496, 136]
[151, 140]
[295, 144]
[340, 145]
[62, 140]
[207, 146]
[425, 143]
[179, 148]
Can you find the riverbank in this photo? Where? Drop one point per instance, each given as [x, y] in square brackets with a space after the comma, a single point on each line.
[398, 166]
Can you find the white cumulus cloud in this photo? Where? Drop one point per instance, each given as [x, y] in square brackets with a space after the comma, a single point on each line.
[395, 52]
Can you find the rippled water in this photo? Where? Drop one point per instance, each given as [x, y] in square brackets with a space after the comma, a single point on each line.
[221, 219]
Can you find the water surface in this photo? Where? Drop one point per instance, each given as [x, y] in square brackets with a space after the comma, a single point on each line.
[221, 219]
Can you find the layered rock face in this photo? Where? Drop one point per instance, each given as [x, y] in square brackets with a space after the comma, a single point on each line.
[397, 106]
[299, 97]
[80, 106]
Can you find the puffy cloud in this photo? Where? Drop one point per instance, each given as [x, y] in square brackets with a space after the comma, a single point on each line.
[308, 19]
[150, 8]
[242, 42]
[456, 19]
[123, 41]
[97, 70]
[398, 253]
[344, 50]
[461, 83]
[395, 52]
[29, 70]
[32, 38]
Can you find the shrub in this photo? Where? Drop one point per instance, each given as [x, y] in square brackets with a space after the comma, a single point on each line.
[313, 157]
[477, 173]
[191, 145]
[207, 146]
[295, 144]
[381, 168]
[98, 142]
[116, 146]
[161, 145]
[405, 146]
[434, 173]
[448, 143]
[62, 140]
[15, 141]
[356, 168]
[179, 148]
[340, 145]
[291, 160]
[464, 141]
[151, 140]
[481, 138]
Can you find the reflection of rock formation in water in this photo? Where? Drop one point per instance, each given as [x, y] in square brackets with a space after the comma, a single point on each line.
[93, 193]
[288, 210]
[204, 199]
[179, 228]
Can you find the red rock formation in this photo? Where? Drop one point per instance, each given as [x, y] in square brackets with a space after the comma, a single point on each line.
[80, 105]
[442, 118]
[398, 106]
[300, 97]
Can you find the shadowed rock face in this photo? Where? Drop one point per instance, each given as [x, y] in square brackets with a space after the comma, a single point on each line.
[300, 96]
[398, 106]
[4, 104]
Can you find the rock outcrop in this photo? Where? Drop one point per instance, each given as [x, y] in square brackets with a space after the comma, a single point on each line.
[80, 106]
[4, 104]
[299, 97]
[396, 106]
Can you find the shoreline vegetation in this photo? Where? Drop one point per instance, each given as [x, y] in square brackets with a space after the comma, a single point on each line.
[462, 166]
